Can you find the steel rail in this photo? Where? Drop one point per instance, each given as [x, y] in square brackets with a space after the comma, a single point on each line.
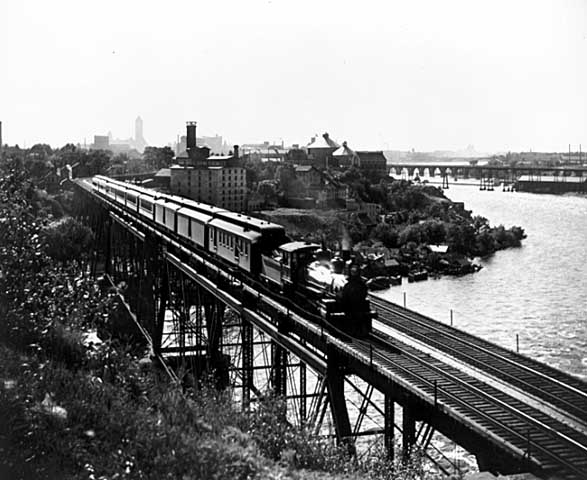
[484, 396]
[394, 310]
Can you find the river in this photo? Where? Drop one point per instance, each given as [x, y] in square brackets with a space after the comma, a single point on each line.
[537, 292]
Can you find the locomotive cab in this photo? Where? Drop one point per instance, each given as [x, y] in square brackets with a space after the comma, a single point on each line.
[286, 266]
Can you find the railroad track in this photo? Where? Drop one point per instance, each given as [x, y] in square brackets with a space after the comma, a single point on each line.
[542, 441]
[560, 390]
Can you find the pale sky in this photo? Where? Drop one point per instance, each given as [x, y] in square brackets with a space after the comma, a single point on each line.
[438, 74]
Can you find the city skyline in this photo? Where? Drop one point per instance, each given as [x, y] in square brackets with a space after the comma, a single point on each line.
[429, 75]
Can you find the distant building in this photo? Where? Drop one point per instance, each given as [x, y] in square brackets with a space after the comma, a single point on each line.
[132, 146]
[101, 142]
[56, 178]
[325, 190]
[139, 142]
[333, 194]
[371, 210]
[309, 175]
[162, 179]
[345, 157]
[216, 144]
[296, 156]
[551, 184]
[320, 151]
[373, 164]
[264, 151]
[218, 180]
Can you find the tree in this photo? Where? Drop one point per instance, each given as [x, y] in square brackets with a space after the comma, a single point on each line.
[68, 240]
[460, 237]
[480, 223]
[285, 176]
[433, 232]
[120, 159]
[386, 234]
[158, 157]
[412, 233]
[41, 150]
[267, 189]
[97, 161]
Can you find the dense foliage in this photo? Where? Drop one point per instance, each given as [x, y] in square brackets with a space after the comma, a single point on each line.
[75, 406]
[411, 218]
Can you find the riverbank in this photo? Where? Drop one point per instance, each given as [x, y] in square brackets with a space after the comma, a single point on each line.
[420, 229]
[537, 293]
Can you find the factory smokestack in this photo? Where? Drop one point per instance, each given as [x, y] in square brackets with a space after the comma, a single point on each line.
[191, 138]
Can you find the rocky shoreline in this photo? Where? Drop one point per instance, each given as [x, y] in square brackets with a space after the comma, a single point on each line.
[417, 233]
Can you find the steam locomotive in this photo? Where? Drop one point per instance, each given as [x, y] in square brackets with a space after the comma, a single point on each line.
[260, 249]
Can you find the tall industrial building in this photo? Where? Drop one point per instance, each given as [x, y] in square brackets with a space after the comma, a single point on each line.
[218, 180]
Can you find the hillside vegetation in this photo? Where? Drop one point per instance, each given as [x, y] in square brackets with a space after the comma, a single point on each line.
[77, 406]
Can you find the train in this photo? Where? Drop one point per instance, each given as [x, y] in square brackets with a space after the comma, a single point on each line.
[259, 249]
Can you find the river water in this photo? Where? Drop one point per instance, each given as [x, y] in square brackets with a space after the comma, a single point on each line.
[537, 292]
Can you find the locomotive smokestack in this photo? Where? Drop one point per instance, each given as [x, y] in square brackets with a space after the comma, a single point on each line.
[346, 244]
[191, 138]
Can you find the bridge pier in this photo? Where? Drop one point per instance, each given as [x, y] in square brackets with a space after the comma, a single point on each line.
[279, 359]
[214, 314]
[408, 431]
[303, 393]
[108, 251]
[389, 426]
[162, 298]
[444, 180]
[247, 362]
[335, 381]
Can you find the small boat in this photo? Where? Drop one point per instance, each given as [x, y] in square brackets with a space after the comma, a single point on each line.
[378, 283]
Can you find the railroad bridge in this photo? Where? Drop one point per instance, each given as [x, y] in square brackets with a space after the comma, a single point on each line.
[411, 378]
[484, 173]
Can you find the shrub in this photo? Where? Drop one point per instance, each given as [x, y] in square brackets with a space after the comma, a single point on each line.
[68, 240]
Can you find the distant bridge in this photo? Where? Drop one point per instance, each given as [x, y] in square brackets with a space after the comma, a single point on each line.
[514, 414]
[484, 173]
